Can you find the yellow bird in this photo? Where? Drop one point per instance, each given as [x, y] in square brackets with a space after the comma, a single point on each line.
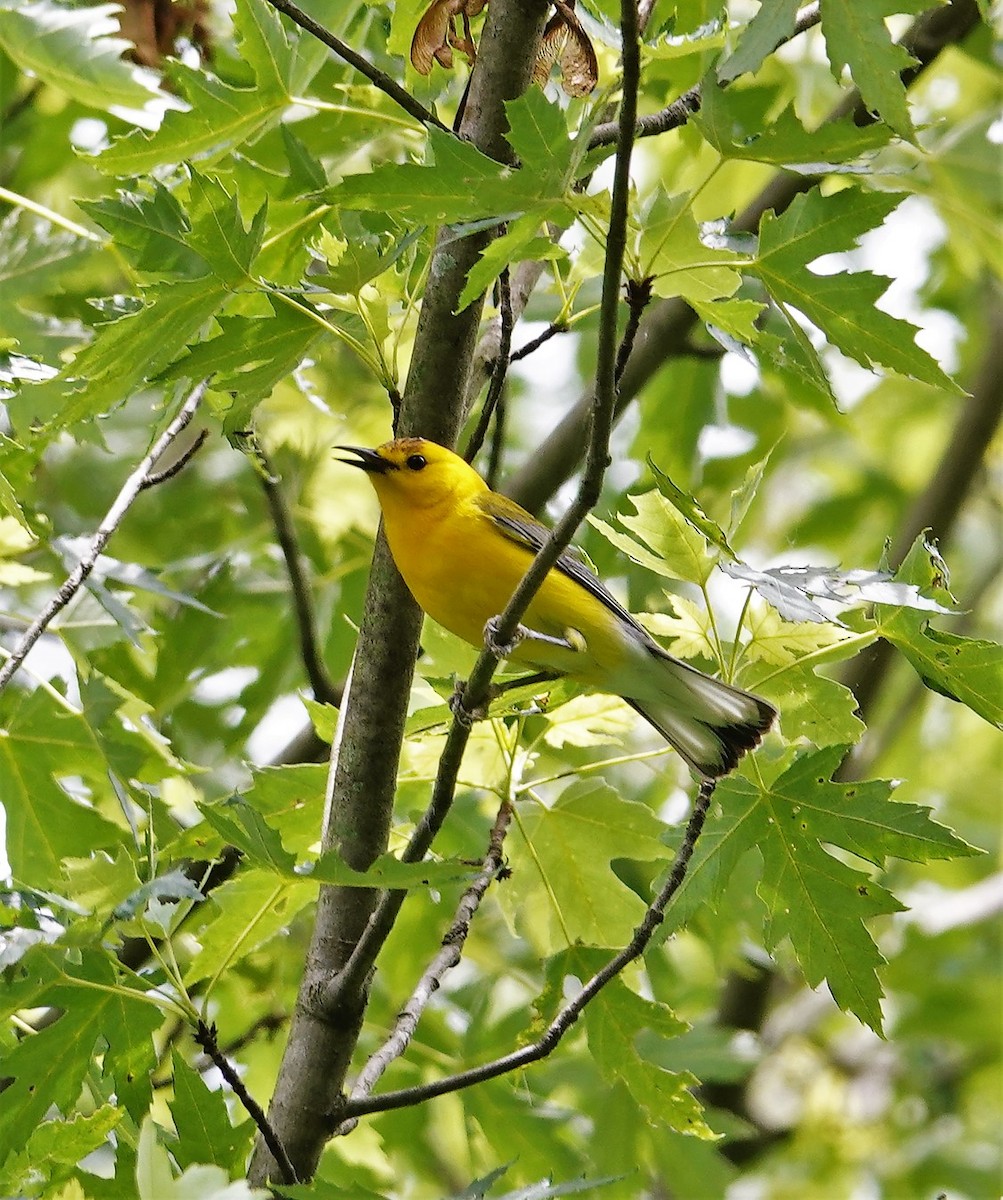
[462, 551]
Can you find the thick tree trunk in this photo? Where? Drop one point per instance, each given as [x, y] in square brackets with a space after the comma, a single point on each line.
[322, 1039]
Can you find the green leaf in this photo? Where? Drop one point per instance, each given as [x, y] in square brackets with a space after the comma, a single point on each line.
[743, 496]
[155, 1176]
[817, 902]
[221, 116]
[675, 549]
[538, 133]
[42, 745]
[244, 914]
[861, 818]
[292, 798]
[563, 886]
[243, 826]
[248, 358]
[729, 833]
[218, 233]
[100, 882]
[613, 1021]
[522, 241]
[153, 228]
[387, 872]
[356, 254]
[964, 669]
[689, 507]
[781, 643]
[842, 305]
[58, 1142]
[70, 49]
[48, 1068]
[768, 28]
[857, 37]
[734, 318]
[165, 889]
[671, 251]
[687, 625]
[35, 256]
[814, 899]
[205, 1134]
[129, 351]
[589, 720]
[794, 357]
[740, 123]
[456, 183]
[811, 706]
[968, 670]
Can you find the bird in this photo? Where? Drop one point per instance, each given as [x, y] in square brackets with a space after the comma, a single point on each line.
[462, 549]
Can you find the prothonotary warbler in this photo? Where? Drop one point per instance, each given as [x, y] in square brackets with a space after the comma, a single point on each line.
[462, 550]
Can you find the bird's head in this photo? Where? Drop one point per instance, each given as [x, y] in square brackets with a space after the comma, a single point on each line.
[415, 472]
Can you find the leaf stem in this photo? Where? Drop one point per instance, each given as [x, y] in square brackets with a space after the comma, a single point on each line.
[736, 644]
[50, 215]
[600, 765]
[353, 343]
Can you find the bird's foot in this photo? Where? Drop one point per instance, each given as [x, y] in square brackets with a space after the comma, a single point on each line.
[502, 649]
[466, 716]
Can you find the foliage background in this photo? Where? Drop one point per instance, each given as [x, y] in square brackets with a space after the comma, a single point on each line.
[274, 231]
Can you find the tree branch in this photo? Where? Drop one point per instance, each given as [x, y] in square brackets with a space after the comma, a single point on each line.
[665, 334]
[205, 1036]
[362, 64]
[498, 372]
[475, 692]
[638, 292]
[570, 1013]
[179, 464]
[540, 340]
[683, 107]
[137, 481]
[364, 763]
[448, 956]
[323, 687]
[937, 507]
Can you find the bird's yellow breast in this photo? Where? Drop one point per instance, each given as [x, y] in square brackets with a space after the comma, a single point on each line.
[462, 569]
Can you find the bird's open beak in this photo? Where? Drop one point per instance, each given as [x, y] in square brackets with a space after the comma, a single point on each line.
[369, 460]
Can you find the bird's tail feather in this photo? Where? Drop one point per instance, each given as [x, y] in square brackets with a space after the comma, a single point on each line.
[710, 723]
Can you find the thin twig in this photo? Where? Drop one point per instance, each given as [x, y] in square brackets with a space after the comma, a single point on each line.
[497, 444]
[447, 957]
[178, 465]
[537, 342]
[375, 76]
[638, 293]
[323, 687]
[113, 518]
[205, 1036]
[668, 324]
[683, 107]
[475, 691]
[498, 371]
[570, 1013]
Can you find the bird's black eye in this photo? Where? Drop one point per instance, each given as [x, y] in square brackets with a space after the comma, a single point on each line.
[415, 462]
